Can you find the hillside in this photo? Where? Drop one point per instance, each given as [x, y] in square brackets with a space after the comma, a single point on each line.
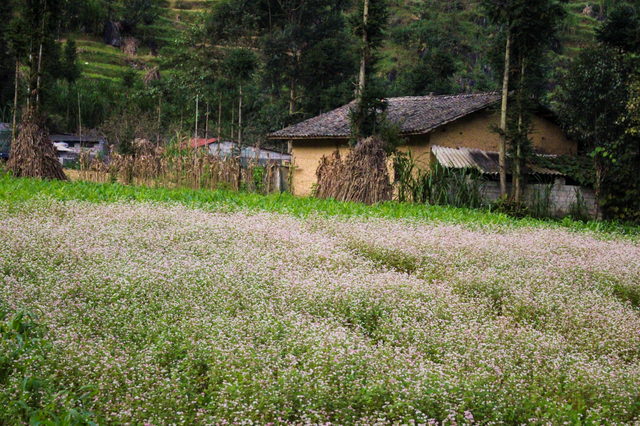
[105, 62]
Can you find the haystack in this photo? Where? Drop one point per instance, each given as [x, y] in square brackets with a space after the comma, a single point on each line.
[362, 177]
[33, 153]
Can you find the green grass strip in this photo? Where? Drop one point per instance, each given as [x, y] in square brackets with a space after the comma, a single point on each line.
[22, 189]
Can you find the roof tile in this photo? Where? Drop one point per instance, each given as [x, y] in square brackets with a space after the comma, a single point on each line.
[415, 114]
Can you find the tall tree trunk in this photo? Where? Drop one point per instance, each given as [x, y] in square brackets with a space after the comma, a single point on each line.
[159, 119]
[517, 174]
[363, 73]
[206, 126]
[195, 140]
[80, 119]
[15, 103]
[219, 118]
[292, 96]
[600, 175]
[240, 118]
[503, 119]
[39, 72]
[233, 117]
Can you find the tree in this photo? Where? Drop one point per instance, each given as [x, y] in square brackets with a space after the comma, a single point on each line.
[240, 65]
[300, 42]
[597, 79]
[431, 75]
[529, 27]
[70, 66]
[33, 41]
[7, 63]
[621, 30]
[368, 24]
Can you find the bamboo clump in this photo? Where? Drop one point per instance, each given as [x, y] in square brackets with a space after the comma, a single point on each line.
[362, 177]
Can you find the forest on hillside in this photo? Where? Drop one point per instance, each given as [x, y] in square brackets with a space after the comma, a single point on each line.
[296, 65]
[240, 69]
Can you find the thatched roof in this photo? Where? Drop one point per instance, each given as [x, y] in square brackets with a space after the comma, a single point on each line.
[415, 114]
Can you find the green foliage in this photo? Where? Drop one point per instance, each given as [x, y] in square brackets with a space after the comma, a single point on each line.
[22, 348]
[32, 40]
[368, 116]
[7, 64]
[540, 204]
[377, 22]
[578, 209]
[258, 178]
[577, 168]
[432, 74]
[21, 190]
[599, 79]
[437, 186]
[621, 30]
[240, 64]
[447, 40]
[70, 69]
[509, 207]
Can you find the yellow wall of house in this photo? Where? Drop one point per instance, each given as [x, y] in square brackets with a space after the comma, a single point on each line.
[306, 155]
[472, 131]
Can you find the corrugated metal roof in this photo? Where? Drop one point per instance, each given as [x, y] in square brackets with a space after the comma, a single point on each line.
[485, 161]
[77, 138]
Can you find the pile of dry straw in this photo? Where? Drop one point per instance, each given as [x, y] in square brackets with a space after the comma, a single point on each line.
[362, 177]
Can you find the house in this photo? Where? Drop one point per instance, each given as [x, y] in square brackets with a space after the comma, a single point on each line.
[547, 186]
[281, 162]
[449, 121]
[5, 140]
[69, 147]
[201, 142]
[246, 153]
[77, 143]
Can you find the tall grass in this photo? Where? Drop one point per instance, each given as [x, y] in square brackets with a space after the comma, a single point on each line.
[438, 186]
[540, 204]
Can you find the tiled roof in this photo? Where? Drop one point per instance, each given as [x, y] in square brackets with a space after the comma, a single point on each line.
[415, 114]
[485, 161]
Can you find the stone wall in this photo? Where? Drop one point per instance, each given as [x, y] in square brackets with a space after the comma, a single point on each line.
[561, 198]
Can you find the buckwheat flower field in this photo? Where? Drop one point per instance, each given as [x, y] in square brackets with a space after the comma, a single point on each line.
[177, 315]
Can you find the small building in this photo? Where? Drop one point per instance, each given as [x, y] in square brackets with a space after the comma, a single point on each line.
[77, 143]
[450, 121]
[69, 147]
[6, 134]
[281, 162]
[247, 153]
[546, 186]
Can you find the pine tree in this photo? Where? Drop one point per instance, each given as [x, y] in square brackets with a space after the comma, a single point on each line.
[70, 67]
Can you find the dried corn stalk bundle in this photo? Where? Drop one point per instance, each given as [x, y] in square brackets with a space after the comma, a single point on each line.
[362, 177]
[33, 153]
